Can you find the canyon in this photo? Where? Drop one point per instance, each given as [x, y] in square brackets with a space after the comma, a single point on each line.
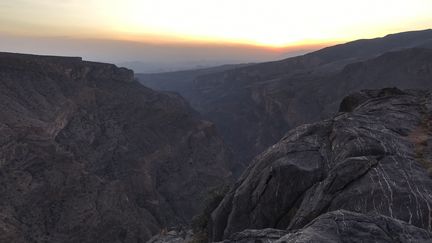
[331, 146]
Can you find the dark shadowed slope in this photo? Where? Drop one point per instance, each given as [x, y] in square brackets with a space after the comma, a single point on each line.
[254, 105]
[87, 154]
[354, 177]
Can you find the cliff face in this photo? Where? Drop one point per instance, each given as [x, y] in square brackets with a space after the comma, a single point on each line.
[357, 174]
[88, 154]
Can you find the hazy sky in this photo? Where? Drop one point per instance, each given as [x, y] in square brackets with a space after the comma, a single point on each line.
[258, 28]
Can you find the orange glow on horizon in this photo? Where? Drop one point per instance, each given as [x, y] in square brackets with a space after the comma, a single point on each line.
[275, 24]
[202, 41]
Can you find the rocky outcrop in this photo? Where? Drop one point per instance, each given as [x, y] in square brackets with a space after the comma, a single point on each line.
[371, 158]
[87, 154]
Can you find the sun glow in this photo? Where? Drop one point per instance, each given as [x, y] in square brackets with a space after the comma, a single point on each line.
[273, 23]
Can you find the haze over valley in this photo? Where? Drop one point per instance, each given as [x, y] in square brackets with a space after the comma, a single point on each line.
[147, 57]
[160, 36]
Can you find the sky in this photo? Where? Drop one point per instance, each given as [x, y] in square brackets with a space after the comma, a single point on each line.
[198, 32]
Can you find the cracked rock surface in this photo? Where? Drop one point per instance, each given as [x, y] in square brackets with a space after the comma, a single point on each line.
[341, 226]
[372, 161]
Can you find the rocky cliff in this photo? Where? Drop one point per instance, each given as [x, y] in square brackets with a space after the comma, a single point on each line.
[362, 175]
[87, 154]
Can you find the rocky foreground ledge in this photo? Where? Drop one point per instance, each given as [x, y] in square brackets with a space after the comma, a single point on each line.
[362, 176]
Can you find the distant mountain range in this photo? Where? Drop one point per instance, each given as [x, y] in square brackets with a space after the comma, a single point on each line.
[162, 67]
[254, 105]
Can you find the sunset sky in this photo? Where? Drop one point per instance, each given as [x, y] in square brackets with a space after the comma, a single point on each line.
[256, 26]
